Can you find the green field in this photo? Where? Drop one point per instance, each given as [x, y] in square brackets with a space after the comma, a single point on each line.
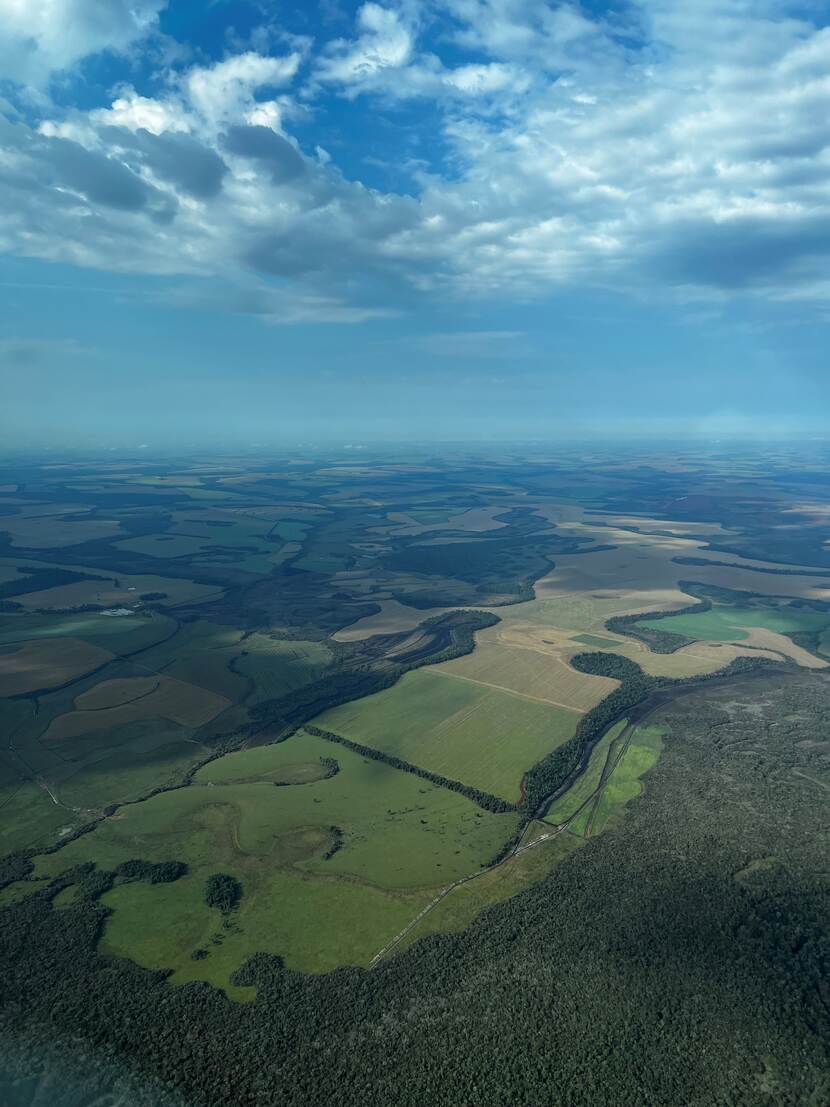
[481, 736]
[729, 624]
[595, 640]
[401, 837]
[121, 634]
[625, 781]
[275, 667]
[458, 910]
[587, 783]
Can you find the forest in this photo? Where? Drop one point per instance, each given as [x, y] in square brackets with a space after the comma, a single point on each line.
[685, 955]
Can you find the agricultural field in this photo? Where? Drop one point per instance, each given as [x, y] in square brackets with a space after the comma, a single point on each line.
[43, 663]
[167, 633]
[725, 623]
[401, 835]
[484, 737]
[114, 704]
[531, 668]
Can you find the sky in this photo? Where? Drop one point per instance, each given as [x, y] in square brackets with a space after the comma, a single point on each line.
[266, 222]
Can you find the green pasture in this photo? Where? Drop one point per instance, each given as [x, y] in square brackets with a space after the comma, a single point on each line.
[567, 805]
[291, 531]
[118, 633]
[276, 666]
[269, 763]
[202, 653]
[595, 640]
[481, 736]
[314, 925]
[401, 837]
[125, 775]
[163, 545]
[730, 624]
[458, 910]
[624, 783]
[29, 817]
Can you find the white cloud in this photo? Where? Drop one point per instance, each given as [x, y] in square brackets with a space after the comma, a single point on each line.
[686, 151]
[482, 79]
[385, 42]
[225, 91]
[141, 113]
[39, 37]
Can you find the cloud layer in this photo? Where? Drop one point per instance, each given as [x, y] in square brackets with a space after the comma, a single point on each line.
[661, 147]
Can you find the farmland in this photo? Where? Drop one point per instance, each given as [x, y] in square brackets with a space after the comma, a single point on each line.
[159, 667]
[34, 666]
[272, 838]
[482, 736]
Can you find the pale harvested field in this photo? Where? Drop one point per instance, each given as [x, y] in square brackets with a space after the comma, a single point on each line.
[47, 663]
[780, 643]
[540, 673]
[644, 563]
[698, 659]
[647, 524]
[584, 590]
[176, 700]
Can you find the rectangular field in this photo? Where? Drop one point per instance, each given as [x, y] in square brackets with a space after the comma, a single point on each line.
[530, 672]
[482, 736]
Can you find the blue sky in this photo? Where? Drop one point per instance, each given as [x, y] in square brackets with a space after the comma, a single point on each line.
[337, 221]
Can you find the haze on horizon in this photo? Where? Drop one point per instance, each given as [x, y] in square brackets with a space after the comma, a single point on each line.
[423, 219]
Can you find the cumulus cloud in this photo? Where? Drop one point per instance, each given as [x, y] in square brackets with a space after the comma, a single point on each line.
[671, 148]
[39, 37]
[225, 91]
[385, 42]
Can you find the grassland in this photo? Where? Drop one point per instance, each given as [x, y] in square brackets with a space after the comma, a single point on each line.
[120, 634]
[611, 779]
[724, 623]
[586, 785]
[401, 837]
[53, 532]
[144, 698]
[625, 782]
[484, 737]
[128, 590]
[465, 903]
[275, 667]
[40, 663]
[596, 641]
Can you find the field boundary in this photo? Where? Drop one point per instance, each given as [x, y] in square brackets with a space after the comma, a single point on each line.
[507, 691]
[484, 799]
